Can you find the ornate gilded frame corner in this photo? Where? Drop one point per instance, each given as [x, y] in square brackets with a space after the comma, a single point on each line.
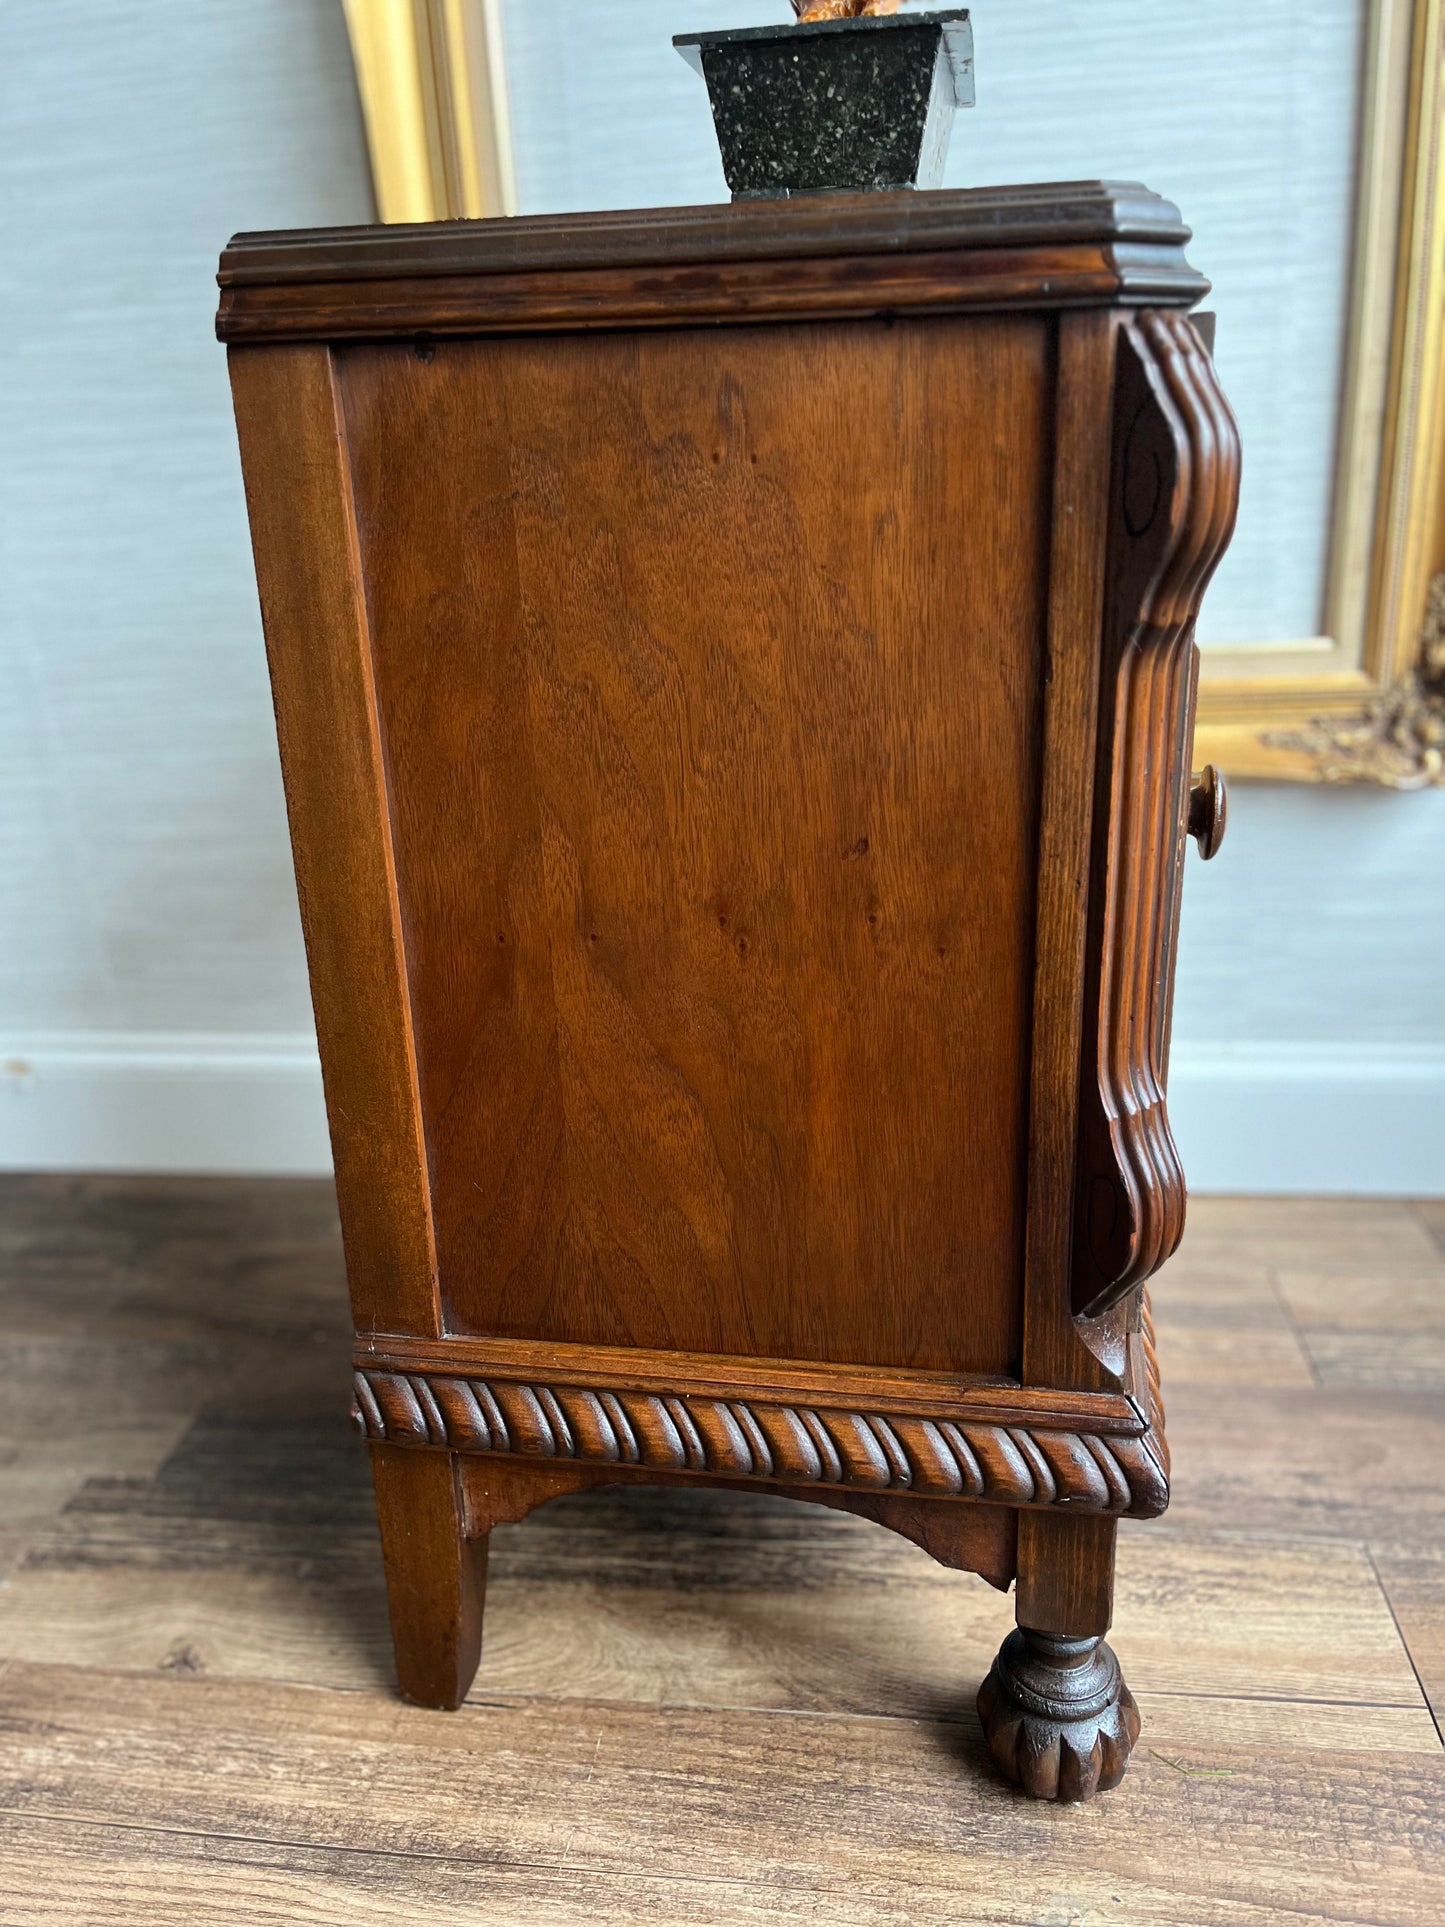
[1366, 702]
[433, 84]
[1398, 739]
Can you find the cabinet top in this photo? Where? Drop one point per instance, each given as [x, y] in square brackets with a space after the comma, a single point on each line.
[1075, 244]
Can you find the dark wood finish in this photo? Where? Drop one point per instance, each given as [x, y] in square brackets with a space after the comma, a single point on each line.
[1066, 1572]
[740, 778]
[1175, 488]
[741, 1420]
[1044, 214]
[1057, 1715]
[631, 1368]
[1027, 1463]
[1089, 244]
[970, 1537]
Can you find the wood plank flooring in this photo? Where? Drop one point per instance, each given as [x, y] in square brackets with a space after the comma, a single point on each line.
[693, 1706]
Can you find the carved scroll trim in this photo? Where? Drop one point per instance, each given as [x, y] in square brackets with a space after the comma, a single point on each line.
[1175, 490]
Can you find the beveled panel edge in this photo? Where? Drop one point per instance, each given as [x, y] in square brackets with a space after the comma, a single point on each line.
[1055, 1349]
[1044, 1462]
[1026, 215]
[296, 471]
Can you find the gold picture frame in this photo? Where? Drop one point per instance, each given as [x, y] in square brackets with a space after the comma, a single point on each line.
[433, 84]
[1363, 702]
[1366, 701]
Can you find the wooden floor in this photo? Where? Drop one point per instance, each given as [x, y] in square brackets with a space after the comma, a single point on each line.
[693, 1707]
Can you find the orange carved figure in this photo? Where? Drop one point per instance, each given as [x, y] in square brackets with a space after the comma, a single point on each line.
[810, 10]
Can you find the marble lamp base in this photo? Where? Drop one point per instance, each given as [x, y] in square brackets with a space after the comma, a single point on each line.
[835, 106]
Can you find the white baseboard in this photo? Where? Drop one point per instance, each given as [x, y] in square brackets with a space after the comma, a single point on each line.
[123, 1102]
[1270, 1119]
[1273, 1119]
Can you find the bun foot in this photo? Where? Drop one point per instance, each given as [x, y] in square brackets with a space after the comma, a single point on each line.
[1057, 1716]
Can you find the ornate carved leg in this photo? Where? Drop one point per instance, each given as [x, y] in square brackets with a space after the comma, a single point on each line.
[435, 1576]
[1057, 1715]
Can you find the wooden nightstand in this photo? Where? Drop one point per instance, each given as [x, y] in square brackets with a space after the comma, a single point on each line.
[734, 670]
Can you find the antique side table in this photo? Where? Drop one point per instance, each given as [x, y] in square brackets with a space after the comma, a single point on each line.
[734, 671]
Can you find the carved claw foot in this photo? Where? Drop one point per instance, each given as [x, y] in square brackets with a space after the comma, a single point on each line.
[1057, 1715]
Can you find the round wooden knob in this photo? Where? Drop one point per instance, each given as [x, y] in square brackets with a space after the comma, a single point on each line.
[1208, 811]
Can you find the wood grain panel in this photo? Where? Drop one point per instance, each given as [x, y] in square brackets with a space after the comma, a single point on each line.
[715, 823]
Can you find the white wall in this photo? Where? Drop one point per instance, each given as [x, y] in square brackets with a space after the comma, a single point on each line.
[144, 880]
[153, 1007]
[1309, 1024]
[146, 899]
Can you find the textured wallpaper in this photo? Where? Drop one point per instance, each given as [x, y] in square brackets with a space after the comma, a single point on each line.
[1242, 113]
[145, 878]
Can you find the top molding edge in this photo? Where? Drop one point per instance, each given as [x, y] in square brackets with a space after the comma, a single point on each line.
[814, 257]
[1050, 214]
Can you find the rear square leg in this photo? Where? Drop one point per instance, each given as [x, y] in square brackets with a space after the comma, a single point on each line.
[435, 1576]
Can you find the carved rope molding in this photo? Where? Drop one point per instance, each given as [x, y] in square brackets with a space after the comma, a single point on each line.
[1176, 485]
[1017, 1465]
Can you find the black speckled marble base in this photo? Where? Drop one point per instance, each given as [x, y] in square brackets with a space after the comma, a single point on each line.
[841, 106]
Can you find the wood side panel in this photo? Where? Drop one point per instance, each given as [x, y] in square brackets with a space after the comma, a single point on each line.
[710, 669]
[314, 612]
